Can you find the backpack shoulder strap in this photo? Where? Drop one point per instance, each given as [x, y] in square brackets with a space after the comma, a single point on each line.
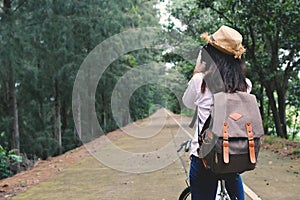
[205, 126]
[191, 125]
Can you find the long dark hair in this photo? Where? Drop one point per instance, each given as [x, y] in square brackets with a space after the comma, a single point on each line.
[230, 68]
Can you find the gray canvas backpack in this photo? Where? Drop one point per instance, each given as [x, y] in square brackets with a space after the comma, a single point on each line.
[230, 138]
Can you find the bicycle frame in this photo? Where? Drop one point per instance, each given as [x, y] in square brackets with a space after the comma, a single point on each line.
[223, 195]
[187, 145]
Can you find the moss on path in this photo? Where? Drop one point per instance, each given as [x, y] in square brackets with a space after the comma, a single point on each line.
[274, 178]
[90, 179]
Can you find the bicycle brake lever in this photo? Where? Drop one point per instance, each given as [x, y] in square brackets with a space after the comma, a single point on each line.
[182, 144]
[188, 146]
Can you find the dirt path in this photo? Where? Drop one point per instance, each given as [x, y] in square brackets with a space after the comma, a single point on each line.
[274, 178]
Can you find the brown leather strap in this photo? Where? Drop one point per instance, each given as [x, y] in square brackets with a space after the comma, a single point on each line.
[205, 163]
[251, 142]
[225, 143]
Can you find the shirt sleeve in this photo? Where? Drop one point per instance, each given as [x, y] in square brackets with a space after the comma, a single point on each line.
[192, 91]
[249, 85]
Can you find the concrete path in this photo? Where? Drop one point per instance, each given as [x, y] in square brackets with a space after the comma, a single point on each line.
[144, 165]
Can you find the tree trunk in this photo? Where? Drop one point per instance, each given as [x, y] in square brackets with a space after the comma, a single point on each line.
[261, 108]
[6, 6]
[90, 106]
[64, 116]
[270, 94]
[11, 92]
[57, 116]
[282, 114]
[16, 134]
[78, 117]
[282, 87]
[13, 107]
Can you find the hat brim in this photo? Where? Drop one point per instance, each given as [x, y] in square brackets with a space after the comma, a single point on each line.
[236, 53]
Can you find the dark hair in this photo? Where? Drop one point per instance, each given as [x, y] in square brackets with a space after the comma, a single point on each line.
[230, 68]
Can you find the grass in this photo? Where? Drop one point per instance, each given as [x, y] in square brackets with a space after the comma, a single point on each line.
[296, 152]
[284, 147]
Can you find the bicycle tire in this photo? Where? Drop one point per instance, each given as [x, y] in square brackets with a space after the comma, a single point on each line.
[185, 194]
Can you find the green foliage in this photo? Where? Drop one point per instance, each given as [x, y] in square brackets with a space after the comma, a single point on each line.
[188, 112]
[7, 158]
[43, 44]
[269, 32]
[296, 152]
[270, 139]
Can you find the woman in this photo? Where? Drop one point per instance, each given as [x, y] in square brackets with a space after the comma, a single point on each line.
[219, 68]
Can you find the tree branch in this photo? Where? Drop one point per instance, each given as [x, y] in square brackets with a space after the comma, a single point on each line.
[253, 42]
[289, 68]
[20, 5]
[221, 14]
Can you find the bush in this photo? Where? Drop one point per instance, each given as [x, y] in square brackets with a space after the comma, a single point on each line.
[7, 159]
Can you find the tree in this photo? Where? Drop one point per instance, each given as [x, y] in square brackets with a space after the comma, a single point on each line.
[270, 36]
[43, 43]
[10, 40]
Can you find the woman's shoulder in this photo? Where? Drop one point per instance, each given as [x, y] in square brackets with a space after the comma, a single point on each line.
[198, 76]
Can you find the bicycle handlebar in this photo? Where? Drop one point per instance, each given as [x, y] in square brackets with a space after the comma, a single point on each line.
[186, 144]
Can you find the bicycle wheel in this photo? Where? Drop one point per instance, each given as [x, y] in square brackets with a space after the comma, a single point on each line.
[222, 194]
[185, 194]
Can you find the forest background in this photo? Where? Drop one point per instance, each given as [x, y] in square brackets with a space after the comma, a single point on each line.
[44, 42]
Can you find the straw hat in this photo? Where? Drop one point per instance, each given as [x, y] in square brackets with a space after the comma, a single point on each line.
[227, 40]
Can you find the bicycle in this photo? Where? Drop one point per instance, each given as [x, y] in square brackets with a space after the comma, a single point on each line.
[186, 193]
